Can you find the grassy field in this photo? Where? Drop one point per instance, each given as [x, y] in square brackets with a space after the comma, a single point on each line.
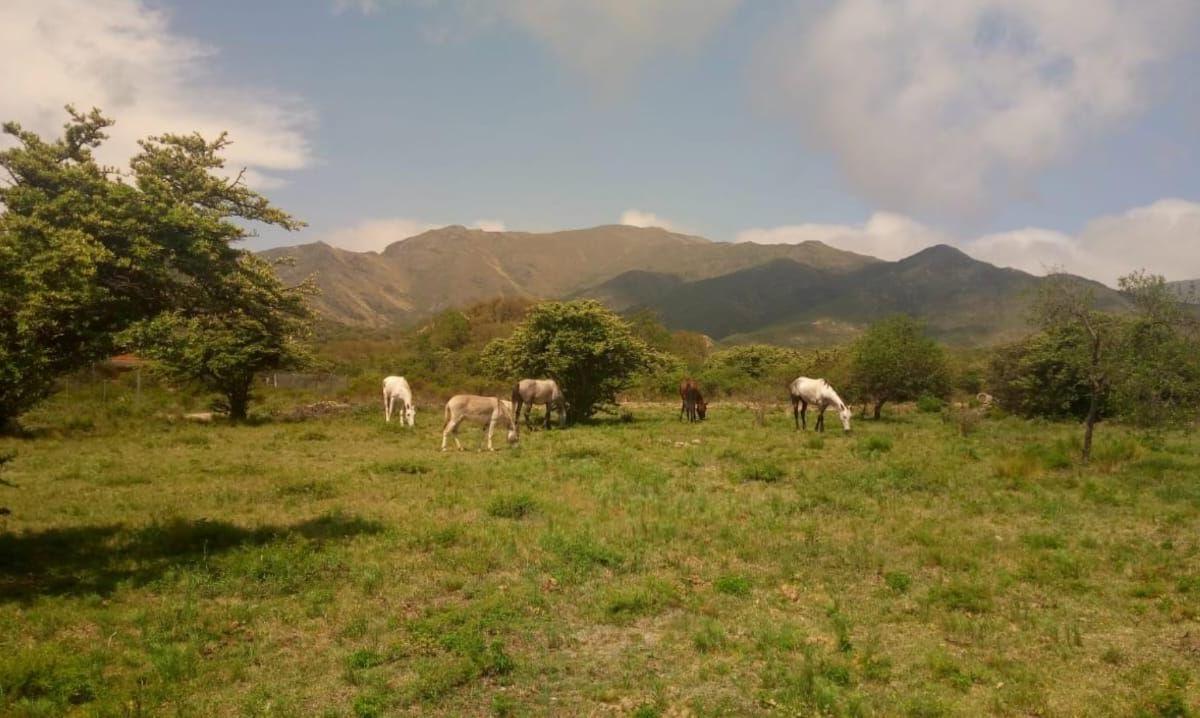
[339, 567]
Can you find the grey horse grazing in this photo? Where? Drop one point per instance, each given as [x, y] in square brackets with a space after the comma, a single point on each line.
[805, 391]
[528, 392]
[486, 410]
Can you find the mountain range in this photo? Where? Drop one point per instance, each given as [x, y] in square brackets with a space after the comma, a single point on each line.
[795, 294]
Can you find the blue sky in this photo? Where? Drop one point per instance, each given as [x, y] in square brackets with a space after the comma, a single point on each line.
[1027, 136]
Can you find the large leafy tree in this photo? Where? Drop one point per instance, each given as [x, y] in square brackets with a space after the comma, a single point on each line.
[591, 352]
[1143, 365]
[87, 251]
[895, 361]
[253, 324]
[1045, 374]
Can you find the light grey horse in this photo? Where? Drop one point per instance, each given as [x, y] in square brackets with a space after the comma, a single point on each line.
[528, 392]
[396, 391]
[486, 410]
[805, 391]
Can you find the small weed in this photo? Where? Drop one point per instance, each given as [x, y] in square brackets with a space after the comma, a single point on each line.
[898, 581]
[364, 659]
[963, 596]
[733, 585]
[511, 506]
[309, 490]
[763, 471]
[399, 467]
[873, 446]
[710, 638]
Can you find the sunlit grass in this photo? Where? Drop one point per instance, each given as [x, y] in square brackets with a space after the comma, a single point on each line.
[338, 566]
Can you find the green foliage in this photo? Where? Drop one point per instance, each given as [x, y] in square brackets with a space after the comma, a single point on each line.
[512, 506]
[85, 253]
[895, 361]
[248, 323]
[591, 352]
[1143, 365]
[929, 404]
[733, 585]
[1043, 375]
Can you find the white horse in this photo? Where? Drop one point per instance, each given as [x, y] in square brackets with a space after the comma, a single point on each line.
[528, 392]
[805, 391]
[396, 389]
[487, 410]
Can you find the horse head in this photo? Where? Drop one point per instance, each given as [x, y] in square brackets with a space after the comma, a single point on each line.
[844, 414]
[701, 408]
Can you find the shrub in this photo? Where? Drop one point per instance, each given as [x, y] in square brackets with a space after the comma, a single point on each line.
[929, 404]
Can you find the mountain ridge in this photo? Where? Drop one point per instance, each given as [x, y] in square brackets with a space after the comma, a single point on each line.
[798, 294]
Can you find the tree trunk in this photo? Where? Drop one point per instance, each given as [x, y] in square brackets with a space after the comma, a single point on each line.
[239, 402]
[1089, 425]
[878, 407]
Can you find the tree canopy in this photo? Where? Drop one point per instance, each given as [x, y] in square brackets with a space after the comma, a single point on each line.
[591, 352]
[87, 251]
[895, 361]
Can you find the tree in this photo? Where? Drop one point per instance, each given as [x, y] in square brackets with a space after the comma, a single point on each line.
[254, 324]
[591, 352]
[1159, 384]
[1065, 305]
[895, 361]
[86, 252]
[1043, 375]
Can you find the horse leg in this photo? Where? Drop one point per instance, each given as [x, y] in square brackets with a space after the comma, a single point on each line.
[387, 408]
[796, 411]
[804, 414]
[446, 429]
[548, 415]
[682, 408]
[490, 428]
[821, 419]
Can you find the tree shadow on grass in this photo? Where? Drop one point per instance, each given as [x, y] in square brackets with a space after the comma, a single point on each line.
[84, 560]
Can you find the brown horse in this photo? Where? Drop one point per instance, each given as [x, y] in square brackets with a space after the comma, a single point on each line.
[693, 403]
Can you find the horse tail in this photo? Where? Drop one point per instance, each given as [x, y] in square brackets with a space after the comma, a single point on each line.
[516, 393]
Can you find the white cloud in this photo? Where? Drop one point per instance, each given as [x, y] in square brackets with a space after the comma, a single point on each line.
[373, 235]
[638, 218]
[885, 235]
[1163, 238]
[606, 41]
[935, 107]
[122, 56]
[489, 225]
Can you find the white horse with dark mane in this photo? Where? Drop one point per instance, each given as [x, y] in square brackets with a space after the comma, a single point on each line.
[819, 393]
[528, 392]
[396, 391]
[486, 410]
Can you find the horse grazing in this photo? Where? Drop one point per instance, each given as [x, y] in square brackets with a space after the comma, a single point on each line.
[396, 389]
[528, 392]
[805, 391]
[693, 403]
[486, 410]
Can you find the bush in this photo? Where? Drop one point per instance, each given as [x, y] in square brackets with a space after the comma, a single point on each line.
[591, 352]
[929, 404]
[895, 361]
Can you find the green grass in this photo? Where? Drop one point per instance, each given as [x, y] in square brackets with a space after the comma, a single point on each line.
[339, 567]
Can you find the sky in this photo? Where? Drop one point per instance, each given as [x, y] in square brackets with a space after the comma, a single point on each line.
[1040, 135]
